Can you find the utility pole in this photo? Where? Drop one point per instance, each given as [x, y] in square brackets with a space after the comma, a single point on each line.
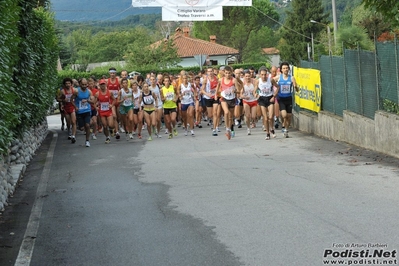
[334, 12]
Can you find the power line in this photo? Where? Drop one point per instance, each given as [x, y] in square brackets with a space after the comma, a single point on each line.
[278, 22]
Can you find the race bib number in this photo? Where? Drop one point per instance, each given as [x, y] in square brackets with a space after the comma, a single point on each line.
[68, 98]
[147, 99]
[104, 106]
[187, 95]
[266, 90]
[136, 102]
[170, 96]
[127, 102]
[212, 92]
[285, 88]
[229, 93]
[115, 93]
[83, 105]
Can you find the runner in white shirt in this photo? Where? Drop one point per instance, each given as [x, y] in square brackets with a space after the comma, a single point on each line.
[154, 87]
[187, 95]
[248, 95]
[266, 100]
[228, 87]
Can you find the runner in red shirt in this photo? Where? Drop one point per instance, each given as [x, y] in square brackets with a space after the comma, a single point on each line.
[113, 86]
[105, 101]
[69, 110]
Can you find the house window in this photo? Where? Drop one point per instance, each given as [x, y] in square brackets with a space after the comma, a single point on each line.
[213, 62]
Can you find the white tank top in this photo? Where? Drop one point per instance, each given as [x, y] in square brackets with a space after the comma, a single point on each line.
[136, 97]
[249, 92]
[265, 87]
[157, 92]
[187, 94]
[129, 94]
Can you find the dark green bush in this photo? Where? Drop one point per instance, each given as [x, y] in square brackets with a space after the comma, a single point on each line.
[28, 66]
[98, 72]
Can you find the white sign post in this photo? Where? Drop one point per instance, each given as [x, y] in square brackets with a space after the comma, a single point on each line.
[200, 58]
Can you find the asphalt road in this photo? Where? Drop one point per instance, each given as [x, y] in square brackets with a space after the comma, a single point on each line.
[203, 200]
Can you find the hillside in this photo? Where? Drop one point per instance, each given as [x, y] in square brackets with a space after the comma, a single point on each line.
[89, 10]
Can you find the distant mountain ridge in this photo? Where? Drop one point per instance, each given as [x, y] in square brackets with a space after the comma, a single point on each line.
[89, 10]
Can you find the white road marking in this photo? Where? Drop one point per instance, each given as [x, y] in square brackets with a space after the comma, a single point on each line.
[28, 242]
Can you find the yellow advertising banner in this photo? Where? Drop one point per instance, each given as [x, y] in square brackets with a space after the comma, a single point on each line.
[309, 83]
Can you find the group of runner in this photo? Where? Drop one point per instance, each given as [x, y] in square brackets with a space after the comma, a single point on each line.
[124, 104]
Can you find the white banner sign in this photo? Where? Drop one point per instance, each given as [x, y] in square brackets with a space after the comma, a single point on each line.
[190, 3]
[192, 13]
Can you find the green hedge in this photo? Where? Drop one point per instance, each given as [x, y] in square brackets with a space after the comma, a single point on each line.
[28, 66]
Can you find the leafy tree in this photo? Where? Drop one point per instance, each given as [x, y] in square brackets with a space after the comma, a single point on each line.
[353, 36]
[372, 22]
[263, 38]
[144, 53]
[298, 28]
[388, 8]
[237, 25]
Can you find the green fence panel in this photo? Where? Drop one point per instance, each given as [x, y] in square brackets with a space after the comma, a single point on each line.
[388, 70]
[339, 93]
[369, 83]
[354, 99]
[327, 96]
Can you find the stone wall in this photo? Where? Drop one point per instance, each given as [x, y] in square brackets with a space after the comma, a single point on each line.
[13, 164]
[380, 134]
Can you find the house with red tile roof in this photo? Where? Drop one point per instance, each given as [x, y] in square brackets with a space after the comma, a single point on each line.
[274, 55]
[189, 47]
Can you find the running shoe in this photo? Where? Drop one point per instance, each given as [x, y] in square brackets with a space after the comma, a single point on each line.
[117, 136]
[93, 136]
[87, 143]
[192, 133]
[62, 127]
[263, 128]
[175, 132]
[267, 136]
[228, 134]
[199, 125]
[73, 139]
[285, 133]
[282, 130]
[273, 133]
[112, 133]
[69, 137]
[139, 136]
[217, 129]
[166, 131]
[185, 132]
[236, 122]
[107, 140]
[214, 133]
[122, 130]
[239, 125]
[127, 136]
[248, 131]
[130, 136]
[233, 133]
[170, 136]
[149, 138]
